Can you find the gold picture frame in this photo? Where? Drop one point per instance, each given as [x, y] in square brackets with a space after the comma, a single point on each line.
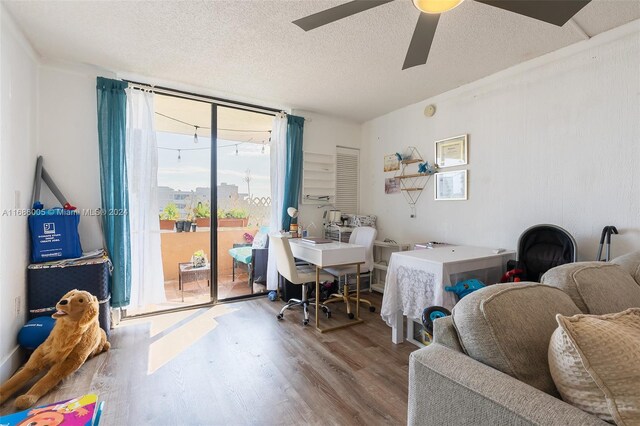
[451, 186]
[452, 152]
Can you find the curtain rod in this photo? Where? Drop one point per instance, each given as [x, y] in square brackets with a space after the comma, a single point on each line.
[203, 98]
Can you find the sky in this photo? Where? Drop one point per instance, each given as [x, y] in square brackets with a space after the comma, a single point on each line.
[193, 169]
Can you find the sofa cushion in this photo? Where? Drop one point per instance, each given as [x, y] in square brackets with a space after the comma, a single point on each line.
[595, 364]
[630, 262]
[508, 327]
[445, 334]
[595, 287]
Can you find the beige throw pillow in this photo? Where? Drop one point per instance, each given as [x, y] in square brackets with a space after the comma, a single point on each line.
[595, 363]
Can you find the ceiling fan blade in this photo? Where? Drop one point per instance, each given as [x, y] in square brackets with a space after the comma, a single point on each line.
[336, 13]
[556, 12]
[421, 41]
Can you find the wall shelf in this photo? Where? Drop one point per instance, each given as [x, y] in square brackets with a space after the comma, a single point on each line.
[318, 178]
[411, 175]
[411, 183]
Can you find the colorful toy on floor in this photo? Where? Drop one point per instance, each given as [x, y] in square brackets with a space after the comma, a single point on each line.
[35, 332]
[512, 276]
[430, 314]
[463, 288]
[273, 295]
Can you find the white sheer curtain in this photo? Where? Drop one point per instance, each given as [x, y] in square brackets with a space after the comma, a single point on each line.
[147, 278]
[278, 163]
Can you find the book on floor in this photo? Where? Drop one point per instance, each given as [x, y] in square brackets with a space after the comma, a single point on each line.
[82, 411]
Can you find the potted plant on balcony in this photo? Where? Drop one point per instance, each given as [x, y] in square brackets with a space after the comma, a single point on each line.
[237, 218]
[169, 216]
[202, 213]
[186, 227]
[199, 259]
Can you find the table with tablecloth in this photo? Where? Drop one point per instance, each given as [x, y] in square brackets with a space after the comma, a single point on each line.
[416, 279]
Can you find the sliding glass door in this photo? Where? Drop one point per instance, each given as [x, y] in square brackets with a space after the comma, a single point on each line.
[243, 201]
[214, 200]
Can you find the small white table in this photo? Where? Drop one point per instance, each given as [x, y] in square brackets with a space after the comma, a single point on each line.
[327, 255]
[416, 280]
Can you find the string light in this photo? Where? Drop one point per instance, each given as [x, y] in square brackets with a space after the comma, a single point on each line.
[236, 150]
[209, 128]
[262, 147]
[179, 156]
[195, 135]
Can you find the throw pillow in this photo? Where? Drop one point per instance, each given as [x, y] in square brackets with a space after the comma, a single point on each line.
[260, 240]
[595, 363]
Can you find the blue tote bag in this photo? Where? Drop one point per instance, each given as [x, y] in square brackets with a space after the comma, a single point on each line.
[54, 235]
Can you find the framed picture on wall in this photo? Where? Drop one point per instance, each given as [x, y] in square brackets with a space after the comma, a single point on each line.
[391, 163]
[451, 186]
[451, 152]
[391, 185]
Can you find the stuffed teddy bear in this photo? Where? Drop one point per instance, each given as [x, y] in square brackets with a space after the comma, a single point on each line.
[75, 337]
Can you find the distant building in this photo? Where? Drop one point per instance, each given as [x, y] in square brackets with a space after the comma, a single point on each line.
[228, 198]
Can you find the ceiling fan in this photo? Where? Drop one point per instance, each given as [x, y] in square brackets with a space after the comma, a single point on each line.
[556, 12]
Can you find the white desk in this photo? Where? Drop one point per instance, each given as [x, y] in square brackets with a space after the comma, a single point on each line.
[327, 255]
[416, 280]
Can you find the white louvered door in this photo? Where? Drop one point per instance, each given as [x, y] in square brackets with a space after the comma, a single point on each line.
[347, 180]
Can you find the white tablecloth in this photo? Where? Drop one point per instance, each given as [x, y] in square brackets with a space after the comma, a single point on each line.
[416, 279]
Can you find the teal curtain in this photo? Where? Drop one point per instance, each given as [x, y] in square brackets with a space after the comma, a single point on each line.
[112, 102]
[293, 171]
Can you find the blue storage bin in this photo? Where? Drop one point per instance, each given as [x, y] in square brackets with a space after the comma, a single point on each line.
[54, 235]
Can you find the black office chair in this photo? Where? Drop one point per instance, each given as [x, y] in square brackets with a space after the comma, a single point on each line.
[540, 248]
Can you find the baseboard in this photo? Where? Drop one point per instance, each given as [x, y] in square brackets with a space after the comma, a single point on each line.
[11, 363]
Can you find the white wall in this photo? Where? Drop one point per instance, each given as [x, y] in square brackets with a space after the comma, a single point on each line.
[18, 152]
[322, 134]
[555, 140]
[69, 141]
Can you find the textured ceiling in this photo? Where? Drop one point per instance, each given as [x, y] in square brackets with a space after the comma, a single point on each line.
[249, 48]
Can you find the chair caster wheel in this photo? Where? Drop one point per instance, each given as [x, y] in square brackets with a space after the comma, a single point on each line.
[372, 308]
[280, 316]
[350, 315]
[305, 322]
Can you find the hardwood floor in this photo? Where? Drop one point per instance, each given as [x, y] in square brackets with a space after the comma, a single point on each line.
[198, 292]
[237, 364]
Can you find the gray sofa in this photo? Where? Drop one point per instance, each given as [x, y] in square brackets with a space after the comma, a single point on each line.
[488, 363]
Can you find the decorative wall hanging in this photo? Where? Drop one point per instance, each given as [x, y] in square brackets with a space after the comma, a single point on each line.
[413, 176]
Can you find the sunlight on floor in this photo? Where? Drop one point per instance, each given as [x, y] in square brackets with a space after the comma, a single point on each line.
[176, 341]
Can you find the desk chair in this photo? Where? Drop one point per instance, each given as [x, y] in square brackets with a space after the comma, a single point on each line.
[301, 275]
[363, 236]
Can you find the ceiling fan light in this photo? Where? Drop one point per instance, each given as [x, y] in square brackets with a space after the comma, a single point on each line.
[435, 6]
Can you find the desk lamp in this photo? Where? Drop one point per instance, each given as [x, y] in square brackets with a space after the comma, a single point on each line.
[293, 214]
